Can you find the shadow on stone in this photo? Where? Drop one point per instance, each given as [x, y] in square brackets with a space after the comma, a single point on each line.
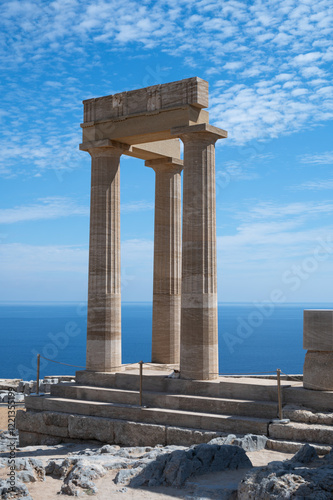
[173, 469]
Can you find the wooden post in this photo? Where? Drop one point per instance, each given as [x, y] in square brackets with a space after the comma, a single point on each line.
[38, 370]
[278, 376]
[141, 374]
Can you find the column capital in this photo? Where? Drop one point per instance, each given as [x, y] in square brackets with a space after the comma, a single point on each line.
[204, 131]
[104, 148]
[166, 164]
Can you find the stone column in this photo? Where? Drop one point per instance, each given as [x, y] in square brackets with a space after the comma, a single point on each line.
[199, 335]
[104, 302]
[167, 261]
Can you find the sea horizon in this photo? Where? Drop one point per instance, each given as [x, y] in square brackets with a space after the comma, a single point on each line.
[254, 337]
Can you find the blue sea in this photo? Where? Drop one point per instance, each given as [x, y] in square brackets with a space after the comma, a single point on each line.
[252, 338]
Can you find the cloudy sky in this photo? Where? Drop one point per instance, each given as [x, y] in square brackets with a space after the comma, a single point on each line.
[269, 67]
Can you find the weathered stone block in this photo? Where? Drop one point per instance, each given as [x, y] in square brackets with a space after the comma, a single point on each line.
[299, 432]
[318, 330]
[188, 437]
[193, 91]
[34, 438]
[34, 422]
[138, 434]
[58, 419]
[81, 427]
[318, 371]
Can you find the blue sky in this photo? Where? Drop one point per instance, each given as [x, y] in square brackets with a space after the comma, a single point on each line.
[269, 67]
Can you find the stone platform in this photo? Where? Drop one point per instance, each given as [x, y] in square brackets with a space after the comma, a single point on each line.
[105, 407]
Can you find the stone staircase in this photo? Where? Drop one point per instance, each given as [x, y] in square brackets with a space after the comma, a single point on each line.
[105, 406]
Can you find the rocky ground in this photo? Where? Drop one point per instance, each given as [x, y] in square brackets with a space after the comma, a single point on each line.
[202, 471]
[227, 468]
[206, 471]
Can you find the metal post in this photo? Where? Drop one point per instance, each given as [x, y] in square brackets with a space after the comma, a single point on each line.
[278, 375]
[141, 370]
[38, 369]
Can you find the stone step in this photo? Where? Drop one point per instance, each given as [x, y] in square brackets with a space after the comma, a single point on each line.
[161, 416]
[317, 400]
[300, 432]
[261, 409]
[224, 387]
[293, 446]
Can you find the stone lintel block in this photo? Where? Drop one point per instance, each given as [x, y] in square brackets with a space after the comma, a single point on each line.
[200, 128]
[144, 128]
[145, 151]
[103, 143]
[193, 91]
[155, 150]
[318, 330]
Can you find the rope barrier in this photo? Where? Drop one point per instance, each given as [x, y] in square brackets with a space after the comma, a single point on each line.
[245, 373]
[78, 366]
[291, 377]
[60, 363]
[156, 367]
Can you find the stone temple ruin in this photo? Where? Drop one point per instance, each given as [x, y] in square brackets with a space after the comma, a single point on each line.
[147, 124]
[111, 403]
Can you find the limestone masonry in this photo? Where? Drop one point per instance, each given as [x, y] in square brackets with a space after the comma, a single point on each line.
[318, 340]
[148, 123]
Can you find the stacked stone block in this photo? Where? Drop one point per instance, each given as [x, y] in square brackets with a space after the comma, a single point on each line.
[318, 340]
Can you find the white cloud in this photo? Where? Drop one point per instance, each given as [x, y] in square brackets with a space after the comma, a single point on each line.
[136, 206]
[317, 185]
[310, 57]
[325, 158]
[54, 207]
[232, 66]
[47, 272]
[271, 211]
[272, 237]
[137, 250]
[284, 77]
[45, 208]
[30, 259]
[281, 43]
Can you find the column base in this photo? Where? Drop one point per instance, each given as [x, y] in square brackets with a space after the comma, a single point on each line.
[166, 329]
[199, 342]
[104, 333]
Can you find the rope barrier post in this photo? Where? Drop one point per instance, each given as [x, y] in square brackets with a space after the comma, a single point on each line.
[278, 376]
[38, 370]
[141, 376]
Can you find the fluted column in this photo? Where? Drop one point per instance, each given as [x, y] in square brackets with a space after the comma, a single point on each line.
[199, 334]
[104, 300]
[167, 261]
